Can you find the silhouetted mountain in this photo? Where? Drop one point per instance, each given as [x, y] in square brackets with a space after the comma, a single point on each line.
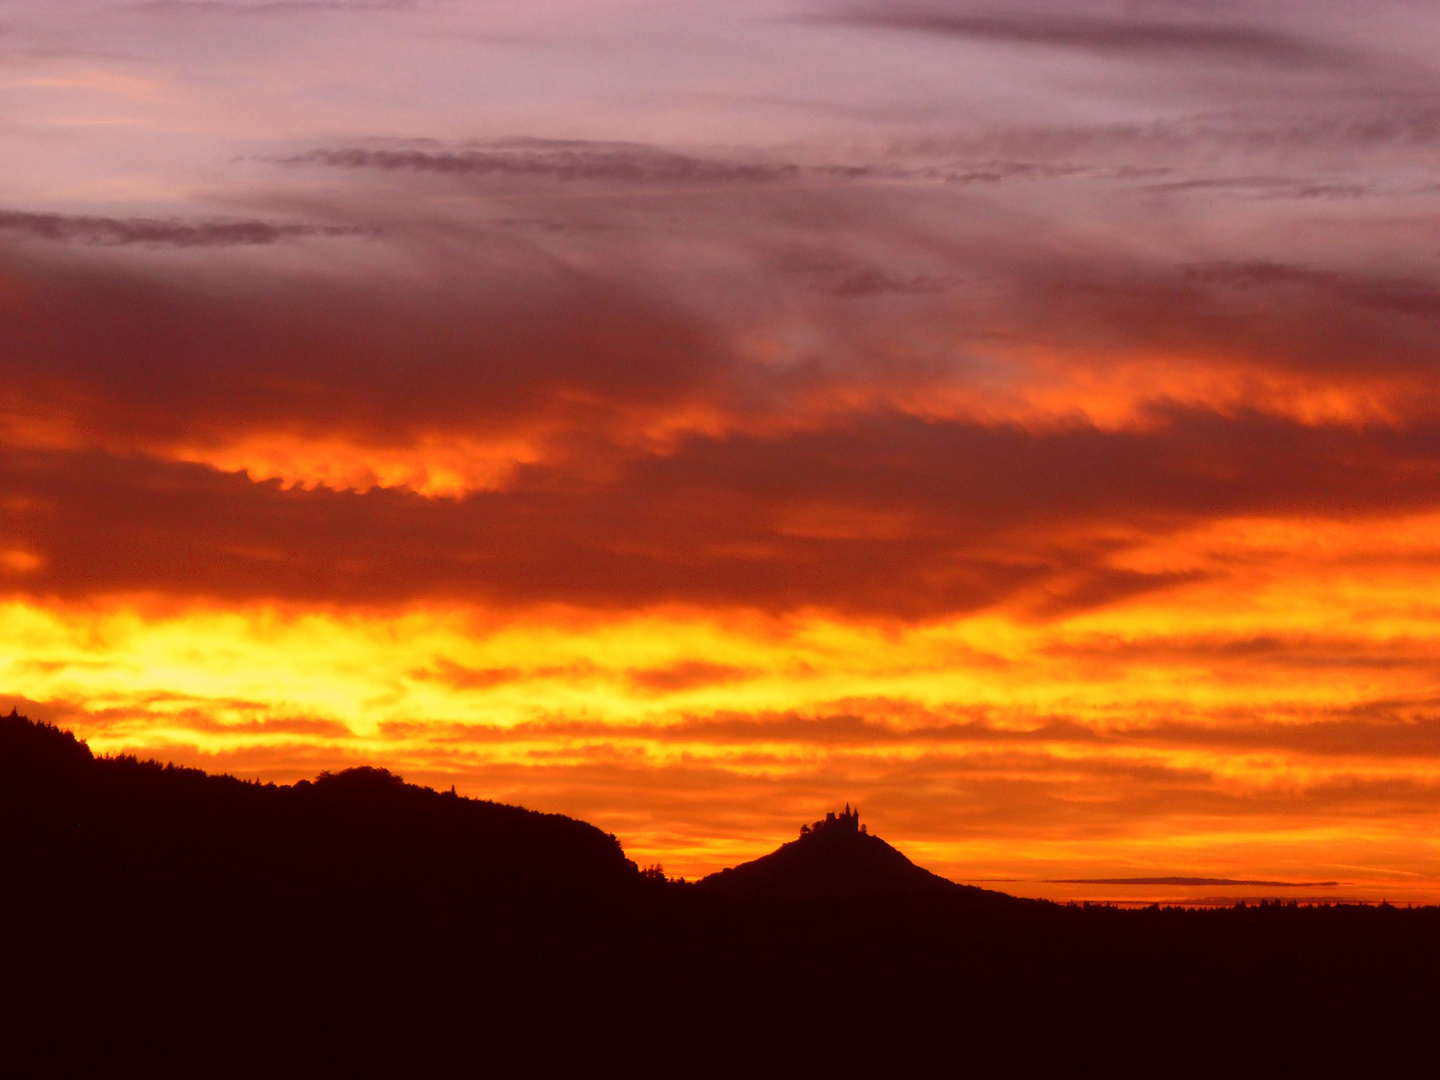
[157, 919]
[835, 857]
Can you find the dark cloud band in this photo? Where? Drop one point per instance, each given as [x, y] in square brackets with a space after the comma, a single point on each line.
[1136, 36]
[559, 161]
[157, 232]
[989, 515]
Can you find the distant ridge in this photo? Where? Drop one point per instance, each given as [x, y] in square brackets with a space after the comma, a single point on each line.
[174, 832]
[834, 857]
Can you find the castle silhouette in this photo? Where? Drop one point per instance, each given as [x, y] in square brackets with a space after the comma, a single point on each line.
[848, 821]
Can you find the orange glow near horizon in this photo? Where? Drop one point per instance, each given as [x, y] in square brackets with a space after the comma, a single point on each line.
[1155, 738]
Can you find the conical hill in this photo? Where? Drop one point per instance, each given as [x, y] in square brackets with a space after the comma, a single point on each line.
[834, 857]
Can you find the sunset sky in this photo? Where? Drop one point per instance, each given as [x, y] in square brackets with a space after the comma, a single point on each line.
[1019, 419]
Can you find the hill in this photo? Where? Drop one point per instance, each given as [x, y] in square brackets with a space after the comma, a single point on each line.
[65, 813]
[834, 857]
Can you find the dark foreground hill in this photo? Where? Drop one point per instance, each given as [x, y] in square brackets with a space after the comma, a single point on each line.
[835, 857]
[155, 918]
[68, 815]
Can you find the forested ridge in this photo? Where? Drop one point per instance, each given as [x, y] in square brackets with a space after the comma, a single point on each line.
[158, 913]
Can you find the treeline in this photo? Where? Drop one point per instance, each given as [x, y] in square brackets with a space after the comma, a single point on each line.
[165, 918]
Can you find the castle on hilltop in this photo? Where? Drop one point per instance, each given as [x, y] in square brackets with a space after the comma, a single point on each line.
[846, 822]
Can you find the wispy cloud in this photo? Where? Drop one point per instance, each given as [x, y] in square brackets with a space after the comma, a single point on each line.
[272, 7]
[158, 232]
[551, 160]
[1196, 881]
[1136, 36]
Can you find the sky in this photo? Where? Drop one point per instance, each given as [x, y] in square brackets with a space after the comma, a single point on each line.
[1017, 419]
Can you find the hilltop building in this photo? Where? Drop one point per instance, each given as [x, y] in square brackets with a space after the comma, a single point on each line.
[847, 821]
